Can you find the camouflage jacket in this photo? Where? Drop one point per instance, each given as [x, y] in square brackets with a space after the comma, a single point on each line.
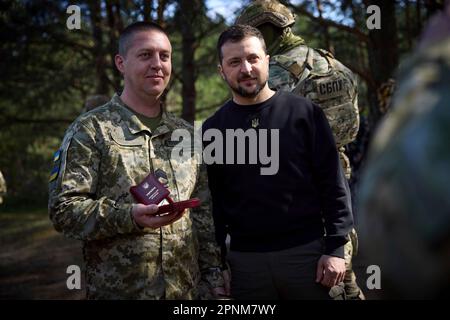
[404, 197]
[2, 187]
[103, 153]
[318, 76]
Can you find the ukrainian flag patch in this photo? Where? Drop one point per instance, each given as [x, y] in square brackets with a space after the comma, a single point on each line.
[56, 155]
[56, 164]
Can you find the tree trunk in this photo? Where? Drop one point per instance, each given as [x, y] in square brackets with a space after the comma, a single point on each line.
[98, 52]
[113, 44]
[408, 32]
[147, 10]
[187, 12]
[361, 46]
[419, 18]
[383, 53]
[326, 34]
[160, 12]
[119, 22]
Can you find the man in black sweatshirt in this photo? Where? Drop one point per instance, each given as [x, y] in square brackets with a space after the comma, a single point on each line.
[288, 214]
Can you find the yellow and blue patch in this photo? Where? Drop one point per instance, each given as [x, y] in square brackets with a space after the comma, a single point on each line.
[56, 165]
[56, 155]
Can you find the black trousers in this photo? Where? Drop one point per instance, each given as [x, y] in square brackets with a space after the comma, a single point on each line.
[285, 274]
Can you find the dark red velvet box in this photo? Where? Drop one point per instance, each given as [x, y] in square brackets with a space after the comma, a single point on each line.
[149, 191]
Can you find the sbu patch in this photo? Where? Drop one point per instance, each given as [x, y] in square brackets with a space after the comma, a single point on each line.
[326, 82]
[333, 87]
[329, 89]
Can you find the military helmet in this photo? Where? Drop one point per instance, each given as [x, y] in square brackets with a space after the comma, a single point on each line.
[263, 11]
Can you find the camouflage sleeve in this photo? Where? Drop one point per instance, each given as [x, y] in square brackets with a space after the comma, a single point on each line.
[209, 257]
[280, 79]
[333, 187]
[2, 185]
[73, 206]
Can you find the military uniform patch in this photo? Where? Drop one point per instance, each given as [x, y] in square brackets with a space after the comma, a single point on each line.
[329, 89]
[56, 155]
[56, 165]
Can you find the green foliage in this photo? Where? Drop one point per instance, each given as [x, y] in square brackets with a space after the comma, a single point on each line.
[42, 87]
[48, 71]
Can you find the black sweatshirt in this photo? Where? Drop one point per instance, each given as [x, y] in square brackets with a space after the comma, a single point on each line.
[307, 199]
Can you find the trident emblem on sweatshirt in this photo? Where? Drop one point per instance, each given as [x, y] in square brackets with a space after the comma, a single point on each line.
[255, 123]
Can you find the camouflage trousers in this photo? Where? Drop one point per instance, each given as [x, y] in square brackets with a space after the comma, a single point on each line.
[352, 291]
[345, 162]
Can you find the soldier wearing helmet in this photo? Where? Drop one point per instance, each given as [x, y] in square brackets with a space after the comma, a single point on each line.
[314, 74]
[404, 196]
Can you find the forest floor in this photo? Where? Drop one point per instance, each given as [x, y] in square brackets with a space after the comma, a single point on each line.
[34, 258]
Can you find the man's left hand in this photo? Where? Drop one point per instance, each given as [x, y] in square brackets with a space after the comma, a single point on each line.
[330, 270]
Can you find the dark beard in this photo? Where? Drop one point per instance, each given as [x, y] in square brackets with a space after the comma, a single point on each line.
[245, 94]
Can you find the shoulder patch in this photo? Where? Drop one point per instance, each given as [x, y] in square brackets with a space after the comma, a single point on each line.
[56, 165]
[288, 64]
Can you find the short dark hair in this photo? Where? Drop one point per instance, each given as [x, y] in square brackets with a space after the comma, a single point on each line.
[126, 36]
[237, 33]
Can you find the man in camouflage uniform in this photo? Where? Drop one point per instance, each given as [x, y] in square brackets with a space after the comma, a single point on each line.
[2, 187]
[404, 194]
[130, 251]
[317, 75]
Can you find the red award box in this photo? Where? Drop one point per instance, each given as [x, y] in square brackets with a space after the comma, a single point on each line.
[179, 206]
[151, 191]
